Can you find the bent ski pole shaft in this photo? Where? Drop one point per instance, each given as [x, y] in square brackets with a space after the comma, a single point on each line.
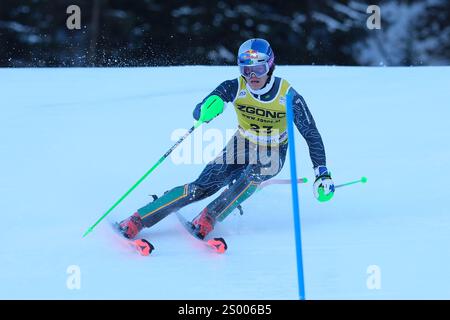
[362, 180]
[198, 123]
[280, 181]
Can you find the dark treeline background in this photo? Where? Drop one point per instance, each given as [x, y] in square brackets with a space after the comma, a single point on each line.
[170, 32]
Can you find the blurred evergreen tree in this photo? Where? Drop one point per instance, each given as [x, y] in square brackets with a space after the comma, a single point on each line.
[176, 32]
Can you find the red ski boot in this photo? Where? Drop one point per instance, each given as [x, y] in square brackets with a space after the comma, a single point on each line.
[203, 224]
[131, 226]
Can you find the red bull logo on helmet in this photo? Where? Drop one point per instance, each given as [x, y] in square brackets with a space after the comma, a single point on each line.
[249, 56]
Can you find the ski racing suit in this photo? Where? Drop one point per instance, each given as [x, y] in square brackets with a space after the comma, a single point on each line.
[249, 157]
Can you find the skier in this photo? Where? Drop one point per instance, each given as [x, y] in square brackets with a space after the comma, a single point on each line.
[255, 153]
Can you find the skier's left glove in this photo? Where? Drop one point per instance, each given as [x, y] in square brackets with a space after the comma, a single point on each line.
[323, 185]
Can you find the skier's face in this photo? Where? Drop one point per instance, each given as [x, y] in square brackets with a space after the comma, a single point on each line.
[257, 83]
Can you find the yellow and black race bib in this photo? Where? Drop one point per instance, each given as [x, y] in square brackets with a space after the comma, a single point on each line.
[262, 122]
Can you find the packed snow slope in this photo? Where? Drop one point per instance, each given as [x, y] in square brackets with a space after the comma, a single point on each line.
[74, 140]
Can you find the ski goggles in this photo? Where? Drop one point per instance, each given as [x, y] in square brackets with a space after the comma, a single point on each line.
[258, 70]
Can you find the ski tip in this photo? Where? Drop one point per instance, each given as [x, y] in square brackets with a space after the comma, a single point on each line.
[364, 179]
[144, 247]
[218, 244]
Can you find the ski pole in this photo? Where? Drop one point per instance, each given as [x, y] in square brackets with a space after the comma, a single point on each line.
[280, 181]
[143, 177]
[362, 180]
[210, 109]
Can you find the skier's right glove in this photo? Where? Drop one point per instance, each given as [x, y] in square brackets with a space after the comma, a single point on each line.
[208, 110]
[323, 185]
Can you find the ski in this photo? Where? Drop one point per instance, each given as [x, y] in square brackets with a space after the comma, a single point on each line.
[217, 244]
[143, 246]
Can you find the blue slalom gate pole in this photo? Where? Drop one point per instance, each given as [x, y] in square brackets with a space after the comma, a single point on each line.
[295, 203]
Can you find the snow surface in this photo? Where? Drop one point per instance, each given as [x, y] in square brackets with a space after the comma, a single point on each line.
[74, 140]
